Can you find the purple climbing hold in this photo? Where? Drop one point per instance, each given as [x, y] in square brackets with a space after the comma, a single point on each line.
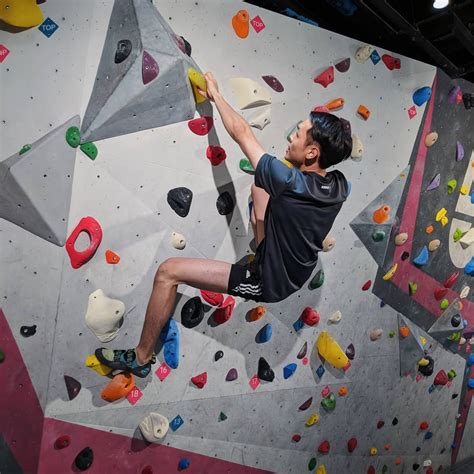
[150, 68]
[453, 93]
[459, 151]
[435, 182]
[302, 351]
[350, 351]
[231, 375]
[306, 404]
[73, 387]
[343, 66]
[274, 83]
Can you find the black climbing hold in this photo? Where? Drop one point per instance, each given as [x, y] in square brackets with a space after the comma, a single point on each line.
[84, 459]
[405, 255]
[225, 204]
[395, 421]
[180, 200]
[417, 449]
[27, 331]
[192, 313]
[302, 351]
[350, 351]
[454, 395]
[264, 370]
[456, 320]
[187, 46]
[2, 356]
[73, 387]
[416, 466]
[218, 355]
[427, 370]
[124, 48]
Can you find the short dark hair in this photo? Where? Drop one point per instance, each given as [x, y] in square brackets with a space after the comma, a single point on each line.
[333, 135]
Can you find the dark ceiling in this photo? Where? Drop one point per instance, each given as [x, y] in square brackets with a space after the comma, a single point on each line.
[409, 27]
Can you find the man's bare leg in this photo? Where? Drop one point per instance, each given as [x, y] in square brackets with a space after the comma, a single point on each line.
[260, 200]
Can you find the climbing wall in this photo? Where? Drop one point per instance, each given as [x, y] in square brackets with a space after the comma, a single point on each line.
[50, 80]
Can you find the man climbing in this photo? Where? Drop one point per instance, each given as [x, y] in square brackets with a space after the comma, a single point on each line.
[294, 207]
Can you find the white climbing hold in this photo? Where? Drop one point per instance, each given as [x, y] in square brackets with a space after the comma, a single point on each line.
[154, 427]
[357, 148]
[249, 93]
[178, 241]
[104, 315]
[427, 463]
[431, 139]
[468, 238]
[363, 53]
[401, 238]
[462, 341]
[375, 334]
[434, 245]
[464, 292]
[335, 317]
[328, 244]
[260, 119]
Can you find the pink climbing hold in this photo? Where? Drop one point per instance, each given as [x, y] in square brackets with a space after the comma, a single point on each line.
[150, 68]
[310, 316]
[325, 391]
[322, 108]
[367, 285]
[380, 424]
[305, 361]
[391, 62]
[441, 378]
[200, 380]
[215, 154]
[201, 126]
[296, 438]
[451, 280]
[91, 227]
[326, 77]
[224, 312]
[212, 298]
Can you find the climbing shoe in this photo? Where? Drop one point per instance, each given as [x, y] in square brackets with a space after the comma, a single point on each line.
[125, 360]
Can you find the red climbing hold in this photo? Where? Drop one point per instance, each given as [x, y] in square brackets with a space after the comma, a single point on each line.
[321, 108]
[200, 380]
[214, 299]
[296, 438]
[371, 470]
[424, 425]
[91, 227]
[324, 447]
[62, 442]
[201, 126]
[380, 424]
[450, 281]
[367, 285]
[111, 257]
[441, 378]
[310, 316]
[440, 293]
[326, 77]
[429, 470]
[352, 444]
[391, 62]
[224, 312]
[215, 154]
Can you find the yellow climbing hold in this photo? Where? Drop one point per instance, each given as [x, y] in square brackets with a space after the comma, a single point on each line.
[391, 272]
[21, 13]
[373, 451]
[321, 469]
[330, 350]
[197, 81]
[441, 213]
[423, 341]
[314, 418]
[93, 363]
[423, 362]
[464, 190]
[444, 221]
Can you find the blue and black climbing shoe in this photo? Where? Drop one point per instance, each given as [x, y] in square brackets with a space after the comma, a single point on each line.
[125, 360]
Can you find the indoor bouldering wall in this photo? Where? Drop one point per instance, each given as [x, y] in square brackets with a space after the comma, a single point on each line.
[136, 146]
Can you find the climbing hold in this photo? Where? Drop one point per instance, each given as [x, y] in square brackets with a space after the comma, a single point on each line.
[296, 438]
[457, 234]
[328, 243]
[373, 451]
[329, 402]
[192, 312]
[170, 338]
[415, 466]
[90, 150]
[111, 257]
[23, 14]
[92, 228]
[452, 183]
[469, 268]
[231, 375]
[441, 378]
[249, 93]
[470, 383]
[431, 139]
[434, 245]
[73, 387]
[428, 435]
[452, 374]
[261, 118]
[380, 424]
[240, 23]
[93, 363]
[352, 445]
[24, 149]
[422, 95]
[306, 404]
[440, 293]
[312, 464]
[318, 108]
[350, 352]
[335, 317]
[197, 81]
[62, 442]
[215, 154]
[274, 83]
[224, 312]
[154, 427]
[302, 351]
[441, 214]
[464, 292]
[378, 235]
[391, 333]
[331, 351]
[325, 391]
[176, 422]
[264, 370]
[342, 391]
[321, 469]
[310, 316]
[335, 104]
[375, 334]
[124, 48]
[201, 126]
[257, 313]
[444, 303]
[200, 380]
[324, 447]
[150, 68]
[456, 320]
[225, 204]
[422, 258]
[218, 355]
[464, 190]
[2, 356]
[265, 334]
[180, 200]
[401, 238]
[344, 65]
[398, 460]
[28, 331]
[213, 298]
[375, 57]
[84, 459]
[451, 280]
[363, 112]
[326, 77]
[391, 62]
[468, 238]
[363, 53]
[427, 370]
[429, 229]
[119, 387]
[183, 464]
[405, 255]
[366, 285]
[222, 416]
[357, 148]
[317, 281]
[424, 425]
[382, 214]
[289, 370]
[246, 166]
[314, 418]
[178, 241]
[453, 93]
[391, 272]
[459, 151]
[73, 137]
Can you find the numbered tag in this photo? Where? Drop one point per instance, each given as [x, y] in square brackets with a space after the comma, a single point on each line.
[254, 382]
[48, 27]
[4, 52]
[163, 371]
[134, 395]
[257, 24]
[412, 112]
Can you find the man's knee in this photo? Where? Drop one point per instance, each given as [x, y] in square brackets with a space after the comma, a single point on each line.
[166, 271]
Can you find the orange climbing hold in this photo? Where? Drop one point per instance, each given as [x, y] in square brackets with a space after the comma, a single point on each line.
[342, 391]
[364, 112]
[111, 257]
[398, 460]
[257, 313]
[404, 331]
[429, 229]
[119, 387]
[387, 446]
[240, 23]
[336, 104]
[382, 214]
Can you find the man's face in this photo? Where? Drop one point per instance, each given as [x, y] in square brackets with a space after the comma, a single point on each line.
[298, 150]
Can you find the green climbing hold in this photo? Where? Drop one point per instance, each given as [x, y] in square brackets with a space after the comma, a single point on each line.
[329, 403]
[312, 464]
[391, 333]
[457, 234]
[444, 303]
[73, 136]
[455, 336]
[24, 149]
[2, 356]
[246, 166]
[378, 235]
[90, 150]
[452, 183]
[412, 287]
[451, 374]
[384, 469]
[317, 281]
[222, 416]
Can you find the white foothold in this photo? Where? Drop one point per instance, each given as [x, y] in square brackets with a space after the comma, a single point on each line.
[328, 244]
[249, 93]
[261, 119]
[375, 334]
[363, 53]
[427, 463]
[104, 315]
[154, 427]
[431, 139]
[434, 245]
[462, 341]
[178, 241]
[357, 148]
[464, 292]
[468, 238]
[335, 317]
[401, 238]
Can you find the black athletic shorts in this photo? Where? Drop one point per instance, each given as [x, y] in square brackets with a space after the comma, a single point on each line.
[245, 281]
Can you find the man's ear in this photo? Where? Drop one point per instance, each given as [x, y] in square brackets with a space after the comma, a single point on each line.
[313, 152]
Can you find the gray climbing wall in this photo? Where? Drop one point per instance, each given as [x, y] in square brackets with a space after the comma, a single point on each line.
[125, 190]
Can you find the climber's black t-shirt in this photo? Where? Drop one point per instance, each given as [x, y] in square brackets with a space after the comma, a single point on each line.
[300, 212]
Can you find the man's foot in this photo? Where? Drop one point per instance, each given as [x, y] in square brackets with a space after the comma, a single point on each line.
[125, 360]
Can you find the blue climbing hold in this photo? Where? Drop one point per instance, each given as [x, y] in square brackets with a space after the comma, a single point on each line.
[183, 464]
[289, 370]
[431, 388]
[375, 57]
[170, 338]
[428, 435]
[298, 324]
[422, 95]
[472, 198]
[265, 334]
[469, 268]
[320, 371]
[423, 257]
[470, 360]
[382, 303]
[349, 188]
[470, 383]
[176, 422]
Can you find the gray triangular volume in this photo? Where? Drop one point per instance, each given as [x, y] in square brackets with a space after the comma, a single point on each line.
[36, 186]
[443, 326]
[120, 102]
[364, 226]
[410, 347]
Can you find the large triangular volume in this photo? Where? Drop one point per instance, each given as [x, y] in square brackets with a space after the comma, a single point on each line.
[142, 80]
[448, 324]
[410, 347]
[36, 185]
[364, 226]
